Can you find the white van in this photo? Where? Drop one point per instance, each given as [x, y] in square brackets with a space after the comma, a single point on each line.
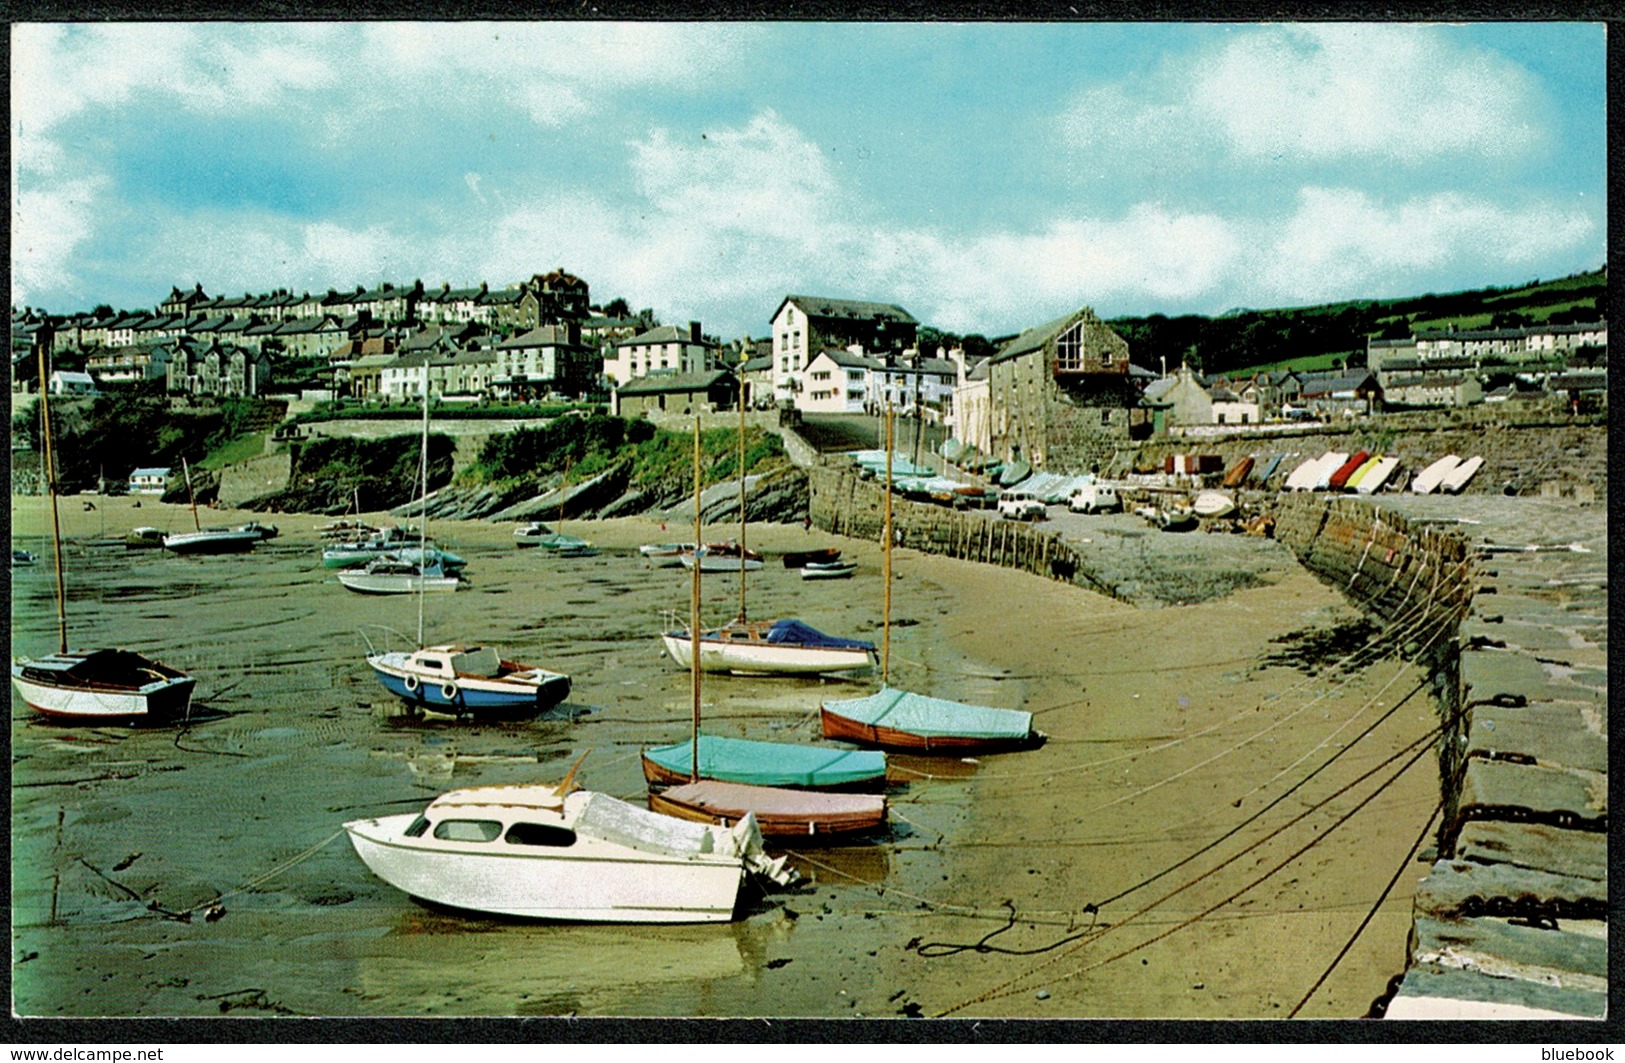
[1019, 505]
[1095, 498]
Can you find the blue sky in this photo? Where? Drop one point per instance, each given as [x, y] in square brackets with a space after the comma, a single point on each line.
[985, 176]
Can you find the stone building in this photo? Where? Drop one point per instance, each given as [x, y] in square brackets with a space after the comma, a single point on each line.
[679, 393]
[1060, 395]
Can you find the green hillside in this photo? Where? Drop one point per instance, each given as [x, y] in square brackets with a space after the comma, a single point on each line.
[1321, 337]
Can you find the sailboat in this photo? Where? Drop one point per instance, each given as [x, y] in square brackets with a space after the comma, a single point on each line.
[210, 540]
[558, 853]
[555, 542]
[757, 647]
[902, 720]
[741, 761]
[93, 686]
[408, 573]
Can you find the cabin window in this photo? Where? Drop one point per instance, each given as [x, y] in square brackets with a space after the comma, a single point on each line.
[540, 834]
[418, 826]
[467, 830]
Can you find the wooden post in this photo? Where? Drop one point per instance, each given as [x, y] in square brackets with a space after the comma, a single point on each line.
[885, 571]
[694, 615]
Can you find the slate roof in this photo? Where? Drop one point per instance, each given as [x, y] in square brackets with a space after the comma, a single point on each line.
[543, 336]
[819, 306]
[1034, 338]
[664, 334]
[666, 384]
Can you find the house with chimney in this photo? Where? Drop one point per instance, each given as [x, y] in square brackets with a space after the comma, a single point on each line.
[548, 359]
[804, 325]
[664, 348]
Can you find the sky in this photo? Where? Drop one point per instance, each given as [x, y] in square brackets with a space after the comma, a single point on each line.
[987, 177]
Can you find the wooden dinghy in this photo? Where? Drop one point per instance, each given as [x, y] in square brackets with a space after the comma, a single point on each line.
[1238, 472]
[901, 720]
[803, 558]
[1351, 465]
[766, 764]
[780, 813]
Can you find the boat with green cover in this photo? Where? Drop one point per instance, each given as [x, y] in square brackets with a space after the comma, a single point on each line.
[902, 720]
[767, 764]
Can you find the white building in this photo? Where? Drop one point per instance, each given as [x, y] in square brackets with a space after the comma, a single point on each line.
[665, 348]
[69, 382]
[149, 481]
[837, 382]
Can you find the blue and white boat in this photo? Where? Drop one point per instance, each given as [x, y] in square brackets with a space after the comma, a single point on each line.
[469, 681]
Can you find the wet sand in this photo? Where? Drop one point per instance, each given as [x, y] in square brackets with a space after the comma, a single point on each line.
[1166, 731]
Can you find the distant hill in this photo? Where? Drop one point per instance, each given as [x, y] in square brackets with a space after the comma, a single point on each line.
[1316, 337]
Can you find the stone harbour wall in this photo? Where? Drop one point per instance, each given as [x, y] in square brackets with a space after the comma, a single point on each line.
[1511, 919]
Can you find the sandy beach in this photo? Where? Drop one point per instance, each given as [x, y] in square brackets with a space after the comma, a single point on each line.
[1118, 871]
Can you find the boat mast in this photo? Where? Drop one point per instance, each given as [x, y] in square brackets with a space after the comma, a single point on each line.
[885, 636]
[742, 552]
[186, 471]
[694, 615]
[423, 506]
[50, 483]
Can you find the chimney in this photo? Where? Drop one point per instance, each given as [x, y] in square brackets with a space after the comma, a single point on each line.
[694, 332]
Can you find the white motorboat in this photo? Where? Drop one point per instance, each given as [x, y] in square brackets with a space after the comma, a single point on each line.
[544, 852]
[1329, 464]
[390, 575]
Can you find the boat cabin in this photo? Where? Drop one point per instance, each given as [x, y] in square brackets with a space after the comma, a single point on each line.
[449, 662]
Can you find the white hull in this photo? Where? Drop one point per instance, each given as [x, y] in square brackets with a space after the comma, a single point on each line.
[709, 563]
[589, 881]
[67, 703]
[1372, 481]
[1428, 479]
[1330, 464]
[212, 542]
[390, 583]
[1304, 476]
[1213, 504]
[765, 659]
[1457, 478]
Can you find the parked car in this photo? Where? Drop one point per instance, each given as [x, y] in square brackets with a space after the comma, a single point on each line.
[1095, 498]
[1018, 505]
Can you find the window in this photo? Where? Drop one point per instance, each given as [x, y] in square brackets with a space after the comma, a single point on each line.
[1069, 348]
[467, 830]
[417, 828]
[540, 834]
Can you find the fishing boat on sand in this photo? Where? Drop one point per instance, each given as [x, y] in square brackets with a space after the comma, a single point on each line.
[903, 720]
[469, 681]
[739, 760]
[98, 685]
[722, 557]
[556, 853]
[664, 555]
[780, 813]
[803, 558]
[913, 723]
[830, 570]
[22, 559]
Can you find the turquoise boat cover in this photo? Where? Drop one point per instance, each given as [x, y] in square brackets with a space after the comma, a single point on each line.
[934, 717]
[773, 763]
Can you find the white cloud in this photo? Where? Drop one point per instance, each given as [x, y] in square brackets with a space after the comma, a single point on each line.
[1340, 241]
[48, 226]
[1406, 95]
